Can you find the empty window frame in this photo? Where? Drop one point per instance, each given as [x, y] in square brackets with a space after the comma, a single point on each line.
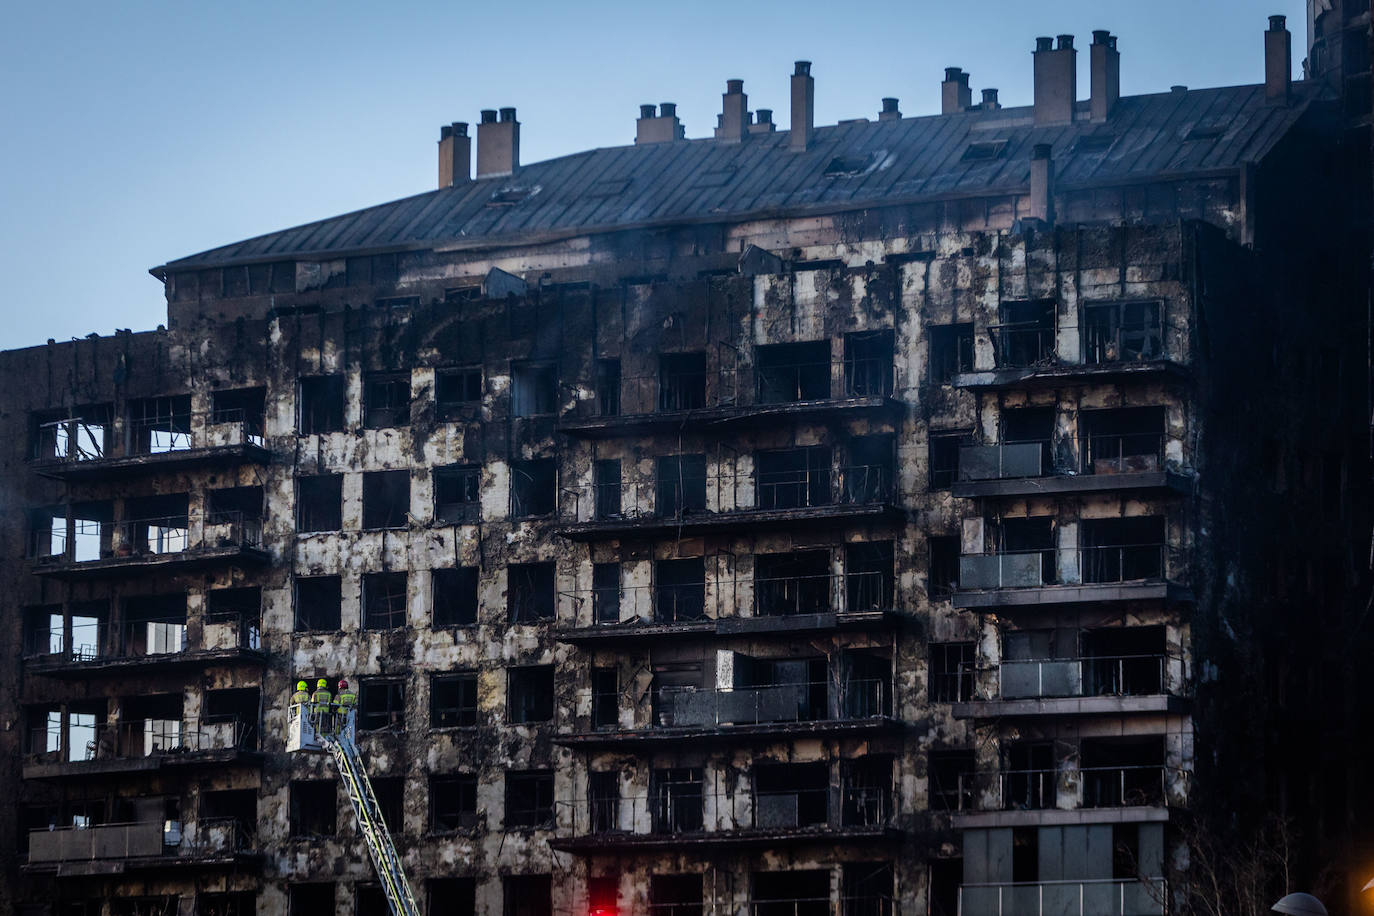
[384, 600]
[454, 596]
[533, 487]
[794, 478]
[533, 389]
[868, 576]
[1122, 440]
[868, 474]
[608, 387]
[451, 896]
[866, 790]
[1025, 336]
[1123, 331]
[314, 899]
[319, 503]
[949, 778]
[676, 895]
[951, 672]
[159, 425]
[321, 407]
[386, 499]
[457, 390]
[381, 704]
[791, 794]
[1122, 549]
[676, 796]
[386, 400]
[868, 357]
[944, 565]
[680, 590]
[529, 695]
[240, 405]
[529, 798]
[681, 381]
[44, 630]
[453, 700]
[681, 484]
[944, 458]
[951, 351]
[390, 792]
[792, 583]
[457, 494]
[318, 599]
[452, 802]
[603, 800]
[530, 592]
[605, 698]
[369, 900]
[605, 592]
[606, 472]
[77, 434]
[792, 372]
[314, 805]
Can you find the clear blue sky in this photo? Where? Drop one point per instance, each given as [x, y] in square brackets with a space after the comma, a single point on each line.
[138, 132]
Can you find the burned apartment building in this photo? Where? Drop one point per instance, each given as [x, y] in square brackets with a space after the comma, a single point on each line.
[912, 515]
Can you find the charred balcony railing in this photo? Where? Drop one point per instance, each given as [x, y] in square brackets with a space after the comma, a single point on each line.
[1044, 466]
[153, 740]
[1101, 573]
[1020, 346]
[73, 449]
[866, 905]
[1072, 787]
[1103, 675]
[138, 543]
[223, 640]
[1101, 897]
[714, 707]
[163, 842]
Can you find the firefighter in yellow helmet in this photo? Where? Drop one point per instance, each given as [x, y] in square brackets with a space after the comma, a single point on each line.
[302, 694]
[319, 705]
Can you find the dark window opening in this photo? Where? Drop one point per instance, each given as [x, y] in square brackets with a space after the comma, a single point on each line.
[791, 794]
[231, 903]
[390, 792]
[454, 596]
[951, 352]
[983, 150]
[530, 593]
[451, 896]
[1124, 661]
[318, 599]
[606, 472]
[944, 565]
[77, 434]
[603, 801]
[676, 796]
[1122, 441]
[156, 524]
[530, 694]
[237, 805]
[681, 381]
[792, 583]
[381, 704]
[603, 894]
[534, 389]
[457, 390]
[312, 900]
[241, 405]
[869, 579]
[528, 895]
[314, 803]
[236, 506]
[159, 425]
[794, 478]
[791, 893]
[321, 405]
[1031, 426]
[152, 625]
[869, 476]
[946, 875]
[533, 487]
[680, 590]
[386, 499]
[238, 706]
[384, 600]
[368, 900]
[1123, 549]
[950, 780]
[319, 503]
[605, 698]
[675, 895]
[951, 672]
[453, 700]
[868, 364]
[1120, 772]
[792, 372]
[386, 400]
[1123, 331]
[397, 302]
[865, 688]
[1126, 864]
[457, 497]
[1025, 854]
[866, 889]
[1034, 535]
[944, 458]
[1025, 337]
[1030, 778]
[529, 798]
[606, 592]
[608, 387]
[681, 485]
[44, 632]
[452, 802]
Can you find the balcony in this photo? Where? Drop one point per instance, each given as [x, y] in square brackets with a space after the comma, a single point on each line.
[147, 646]
[1102, 897]
[1133, 462]
[107, 849]
[153, 446]
[133, 546]
[1069, 795]
[813, 497]
[668, 821]
[856, 707]
[140, 747]
[1129, 572]
[1098, 685]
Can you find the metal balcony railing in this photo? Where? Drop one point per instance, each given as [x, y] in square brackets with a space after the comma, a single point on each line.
[159, 434]
[1102, 897]
[1076, 787]
[147, 738]
[859, 698]
[1112, 341]
[1103, 675]
[137, 840]
[848, 905]
[1097, 454]
[1022, 346]
[1083, 565]
[1121, 453]
[144, 638]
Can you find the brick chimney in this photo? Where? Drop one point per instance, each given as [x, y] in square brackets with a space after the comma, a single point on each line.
[661, 126]
[1104, 63]
[889, 112]
[1056, 80]
[734, 116]
[763, 122]
[990, 102]
[803, 122]
[498, 144]
[1278, 61]
[955, 95]
[1041, 184]
[455, 154]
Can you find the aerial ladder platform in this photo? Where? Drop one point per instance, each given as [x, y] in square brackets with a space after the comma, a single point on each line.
[318, 728]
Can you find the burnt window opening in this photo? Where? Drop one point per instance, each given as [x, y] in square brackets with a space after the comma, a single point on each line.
[681, 381]
[530, 694]
[865, 684]
[527, 895]
[1122, 440]
[321, 405]
[791, 794]
[1123, 661]
[530, 592]
[229, 903]
[1033, 535]
[868, 576]
[452, 802]
[606, 474]
[386, 400]
[680, 590]
[603, 893]
[950, 780]
[605, 592]
[529, 799]
[951, 352]
[1123, 549]
[316, 899]
[457, 390]
[237, 507]
[381, 704]
[390, 792]
[384, 600]
[457, 494]
[868, 359]
[681, 484]
[1031, 426]
[156, 524]
[944, 565]
[152, 625]
[454, 596]
[386, 499]
[369, 900]
[793, 478]
[451, 896]
[792, 372]
[159, 905]
[453, 700]
[786, 584]
[44, 631]
[676, 895]
[533, 389]
[1031, 780]
[868, 889]
[608, 387]
[1126, 863]
[676, 796]
[866, 790]
[233, 704]
[869, 475]
[605, 698]
[319, 503]
[1025, 854]
[76, 434]
[240, 405]
[318, 599]
[793, 893]
[533, 487]
[159, 425]
[944, 458]
[314, 805]
[1024, 338]
[951, 672]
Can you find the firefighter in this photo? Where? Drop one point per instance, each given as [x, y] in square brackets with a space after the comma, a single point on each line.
[302, 694]
[319, 704]
[347, 701]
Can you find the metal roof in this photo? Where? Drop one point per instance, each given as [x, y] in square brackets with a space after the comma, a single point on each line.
[848, 165]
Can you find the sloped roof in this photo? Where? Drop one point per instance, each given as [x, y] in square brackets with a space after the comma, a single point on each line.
[848, 165]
